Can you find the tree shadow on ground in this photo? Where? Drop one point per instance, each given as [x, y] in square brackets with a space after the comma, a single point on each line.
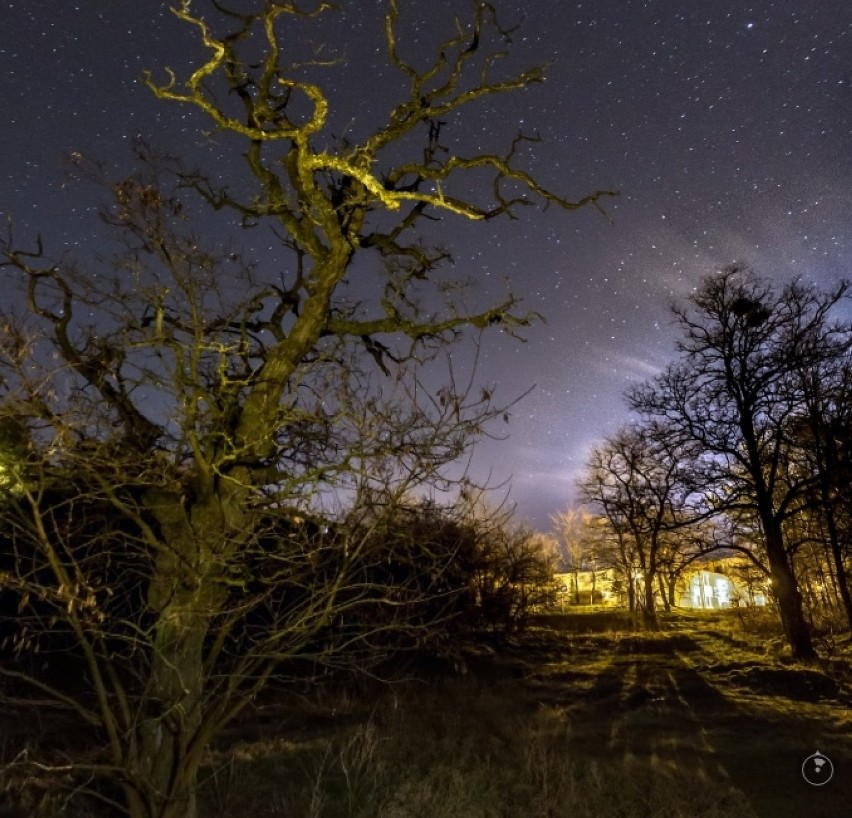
[649, 709]
[763, 756]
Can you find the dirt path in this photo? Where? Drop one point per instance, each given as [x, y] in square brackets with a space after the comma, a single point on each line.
[653, 704]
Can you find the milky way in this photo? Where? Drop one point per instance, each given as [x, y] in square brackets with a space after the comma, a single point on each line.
[726, 126]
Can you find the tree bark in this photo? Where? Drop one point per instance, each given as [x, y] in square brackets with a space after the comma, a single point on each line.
[167, 766]
[185, 591]
[826, 469]
[787, 593]
[841, 578]
[649, 608]
[664, 594]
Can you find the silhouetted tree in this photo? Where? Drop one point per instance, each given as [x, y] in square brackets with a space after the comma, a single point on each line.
[732, 394]
[820, 449]
[639, 480]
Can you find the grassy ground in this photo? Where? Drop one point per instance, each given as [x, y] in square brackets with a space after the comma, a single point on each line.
[699, 721]
[577, 718]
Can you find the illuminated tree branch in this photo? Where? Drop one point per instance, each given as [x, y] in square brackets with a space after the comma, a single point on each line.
[186, 410]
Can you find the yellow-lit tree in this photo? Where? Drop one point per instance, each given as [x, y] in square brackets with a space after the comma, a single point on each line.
[187, 412]
[576, 540]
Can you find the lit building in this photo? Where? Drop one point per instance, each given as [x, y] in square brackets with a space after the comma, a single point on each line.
[727, 582]
[708, 590]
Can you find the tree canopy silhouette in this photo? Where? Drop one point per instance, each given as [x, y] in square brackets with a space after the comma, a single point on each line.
[735, 393]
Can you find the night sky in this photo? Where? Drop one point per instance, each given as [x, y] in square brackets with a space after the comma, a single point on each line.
[725, 125]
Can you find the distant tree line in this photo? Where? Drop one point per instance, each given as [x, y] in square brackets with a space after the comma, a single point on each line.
[418, 575]
[743, 443]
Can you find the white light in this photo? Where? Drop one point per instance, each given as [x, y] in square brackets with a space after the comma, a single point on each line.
[696, 592]
[723, 592]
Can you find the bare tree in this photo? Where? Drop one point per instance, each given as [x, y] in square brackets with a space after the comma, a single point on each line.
[513, 572]
[576, 539]
[733, 394]
[638, 480]
[819, 449]
[182, 418]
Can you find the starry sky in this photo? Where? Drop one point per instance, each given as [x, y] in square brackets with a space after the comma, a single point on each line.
[726, 125]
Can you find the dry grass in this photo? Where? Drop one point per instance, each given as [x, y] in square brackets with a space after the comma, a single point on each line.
[463, 751]
[685, 724]
[706, 719]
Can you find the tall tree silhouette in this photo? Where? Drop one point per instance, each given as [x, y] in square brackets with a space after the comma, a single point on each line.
[733, 393]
